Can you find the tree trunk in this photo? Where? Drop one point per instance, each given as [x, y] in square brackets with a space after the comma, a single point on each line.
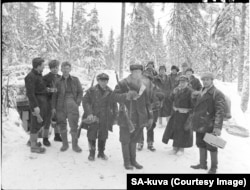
[121, 41]
[72, 23]
[241, 63]
[60, 19]
[245, 90]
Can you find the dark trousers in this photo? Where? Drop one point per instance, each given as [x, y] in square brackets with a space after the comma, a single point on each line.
[42, 104]
[202, 144]
[150, 131]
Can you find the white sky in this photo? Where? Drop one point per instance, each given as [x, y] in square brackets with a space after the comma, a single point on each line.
[109, 14]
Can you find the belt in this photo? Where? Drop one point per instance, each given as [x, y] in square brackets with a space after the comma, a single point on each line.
[181, 110]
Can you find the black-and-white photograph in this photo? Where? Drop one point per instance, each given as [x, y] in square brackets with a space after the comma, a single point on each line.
[94, 91]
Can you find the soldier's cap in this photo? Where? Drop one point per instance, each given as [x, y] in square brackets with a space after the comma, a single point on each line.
[136, 67]
[150, 63]
[183, 78]
[102, 76]
[184, 64]
[190, 69]
[162, 67]
[175, 67]
[207, 75]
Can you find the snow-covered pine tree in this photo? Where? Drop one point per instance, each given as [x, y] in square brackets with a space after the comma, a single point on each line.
[242, 48]
[94, 50]
[109, 51]
[140, 40]
[245, 88]
[187, 36]
[51, 18]
[224, 35]
[79, 33]
[160, 49]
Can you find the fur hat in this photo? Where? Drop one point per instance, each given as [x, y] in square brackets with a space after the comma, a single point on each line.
[175, 67]
[102, 76]
[207, 75]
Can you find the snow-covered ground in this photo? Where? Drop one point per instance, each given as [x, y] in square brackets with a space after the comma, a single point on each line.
[22, 169]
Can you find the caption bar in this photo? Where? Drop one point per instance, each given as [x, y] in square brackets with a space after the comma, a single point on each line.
[185, 181]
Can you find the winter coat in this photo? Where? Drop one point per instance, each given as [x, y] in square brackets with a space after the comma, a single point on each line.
[208, 112]
[175, 128]
[163, 82]
[58, 98]
[195, 83]
[50, 81]
[34, 86]
[139, 109]
[102, 103]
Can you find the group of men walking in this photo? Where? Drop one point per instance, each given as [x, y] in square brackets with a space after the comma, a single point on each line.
[143, 97]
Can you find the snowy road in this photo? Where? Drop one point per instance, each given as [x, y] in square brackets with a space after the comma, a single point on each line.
[69, 170]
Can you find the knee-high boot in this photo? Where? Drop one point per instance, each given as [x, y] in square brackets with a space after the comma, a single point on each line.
[92, 144]
[132, 148]
[65, 144]
[203, 160]
[101, 148]
[34, 147]
[126, 156]
[214, 162]
[75, 146]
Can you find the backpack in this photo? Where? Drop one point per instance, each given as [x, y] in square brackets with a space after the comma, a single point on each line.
[227, 108]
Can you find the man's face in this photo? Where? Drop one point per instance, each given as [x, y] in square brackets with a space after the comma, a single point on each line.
[173, 71]
[183, 83]
[150, 66]
[137, 73]
[103, 83]
[41, 67]
[54, 70]
[189, 74]
[66, 70]
[207, 82]
[162, 71]
[184, 68]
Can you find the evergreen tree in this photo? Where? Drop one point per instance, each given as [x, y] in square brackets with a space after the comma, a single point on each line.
[109, 51]
[79, 33]
[160, 49]
[94, 55]
[51, 18]
[140, 36]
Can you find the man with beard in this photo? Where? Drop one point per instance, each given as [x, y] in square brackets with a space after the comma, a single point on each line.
[139, 112]
[156, 97]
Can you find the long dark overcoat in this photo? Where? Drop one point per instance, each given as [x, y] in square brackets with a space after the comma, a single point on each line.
[101, 103]
[175, 128]
[208, 112]
[139, 110]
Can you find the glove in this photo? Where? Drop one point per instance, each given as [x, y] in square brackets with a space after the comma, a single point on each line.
[37, 110]
[217, 132]
[131, 95]
[150, 123]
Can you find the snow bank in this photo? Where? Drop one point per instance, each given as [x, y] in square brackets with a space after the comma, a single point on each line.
[12, 132]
